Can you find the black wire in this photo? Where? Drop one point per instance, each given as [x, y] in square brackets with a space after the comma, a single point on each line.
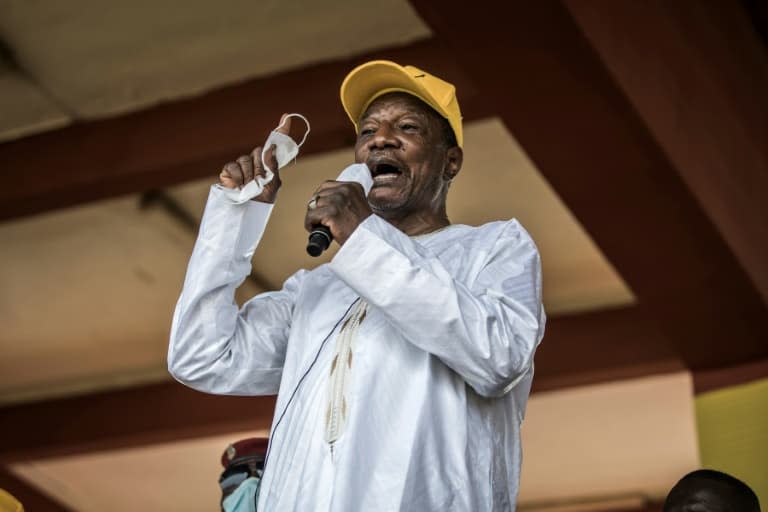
[298, 384]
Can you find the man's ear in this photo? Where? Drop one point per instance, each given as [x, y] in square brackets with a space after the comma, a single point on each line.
[454, 159]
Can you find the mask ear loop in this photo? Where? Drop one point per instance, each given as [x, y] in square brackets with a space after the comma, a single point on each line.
[269, 174]
[304, 138]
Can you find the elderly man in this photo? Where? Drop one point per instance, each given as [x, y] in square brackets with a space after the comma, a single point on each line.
[404, 365]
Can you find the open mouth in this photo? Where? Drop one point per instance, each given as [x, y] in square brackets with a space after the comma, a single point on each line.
[383, 172]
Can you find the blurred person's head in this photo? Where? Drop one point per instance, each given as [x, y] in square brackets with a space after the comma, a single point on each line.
[707, 490]
[243, 463]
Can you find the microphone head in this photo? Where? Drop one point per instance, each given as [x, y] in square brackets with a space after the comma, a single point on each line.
[319, 240]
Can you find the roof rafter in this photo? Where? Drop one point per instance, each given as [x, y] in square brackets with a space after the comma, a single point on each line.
[183, 140]
[28, 495]
[544, 76]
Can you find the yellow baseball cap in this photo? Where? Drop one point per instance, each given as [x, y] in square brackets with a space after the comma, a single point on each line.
[368, 81]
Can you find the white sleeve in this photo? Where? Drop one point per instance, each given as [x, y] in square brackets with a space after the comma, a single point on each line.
[486, 330]
[214, 347]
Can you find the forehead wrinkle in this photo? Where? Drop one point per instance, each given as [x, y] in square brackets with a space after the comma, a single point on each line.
[411, 106]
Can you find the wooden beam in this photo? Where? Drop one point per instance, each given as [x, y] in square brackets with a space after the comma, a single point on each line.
[717, 378]
[697, 74]
[131, 417]
[193, 138]
[579, 349]
[575, 122]
[29, 496]
[601, 346]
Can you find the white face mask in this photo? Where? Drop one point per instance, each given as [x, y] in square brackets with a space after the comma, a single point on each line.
[286, 148]
[244, 498]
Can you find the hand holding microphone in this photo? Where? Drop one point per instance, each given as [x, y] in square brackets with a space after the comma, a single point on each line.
[337, 208]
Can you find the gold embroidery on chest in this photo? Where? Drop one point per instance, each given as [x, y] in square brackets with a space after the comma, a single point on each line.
[340, 374]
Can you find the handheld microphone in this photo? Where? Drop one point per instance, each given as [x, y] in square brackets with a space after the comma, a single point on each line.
[320, 237]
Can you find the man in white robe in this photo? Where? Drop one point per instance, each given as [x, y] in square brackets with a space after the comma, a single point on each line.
[403, 366]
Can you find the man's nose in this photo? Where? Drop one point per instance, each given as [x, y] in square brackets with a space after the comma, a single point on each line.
[384, 137]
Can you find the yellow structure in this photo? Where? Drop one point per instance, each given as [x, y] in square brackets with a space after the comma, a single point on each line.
[733, 433]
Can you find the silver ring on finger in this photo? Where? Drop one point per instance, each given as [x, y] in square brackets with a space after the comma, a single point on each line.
[312, 204]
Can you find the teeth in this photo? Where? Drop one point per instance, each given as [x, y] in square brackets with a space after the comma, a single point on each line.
[385, 177]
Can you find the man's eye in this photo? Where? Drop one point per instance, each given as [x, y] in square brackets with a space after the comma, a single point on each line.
[408, 127]
[366, 131]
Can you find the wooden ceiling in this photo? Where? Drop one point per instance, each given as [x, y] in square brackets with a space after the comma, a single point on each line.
[649, 119]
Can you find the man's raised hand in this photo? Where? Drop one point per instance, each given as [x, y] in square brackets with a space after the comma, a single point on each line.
[243, 170]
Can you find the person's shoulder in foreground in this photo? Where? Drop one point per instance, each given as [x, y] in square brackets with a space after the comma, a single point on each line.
[708, 490]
